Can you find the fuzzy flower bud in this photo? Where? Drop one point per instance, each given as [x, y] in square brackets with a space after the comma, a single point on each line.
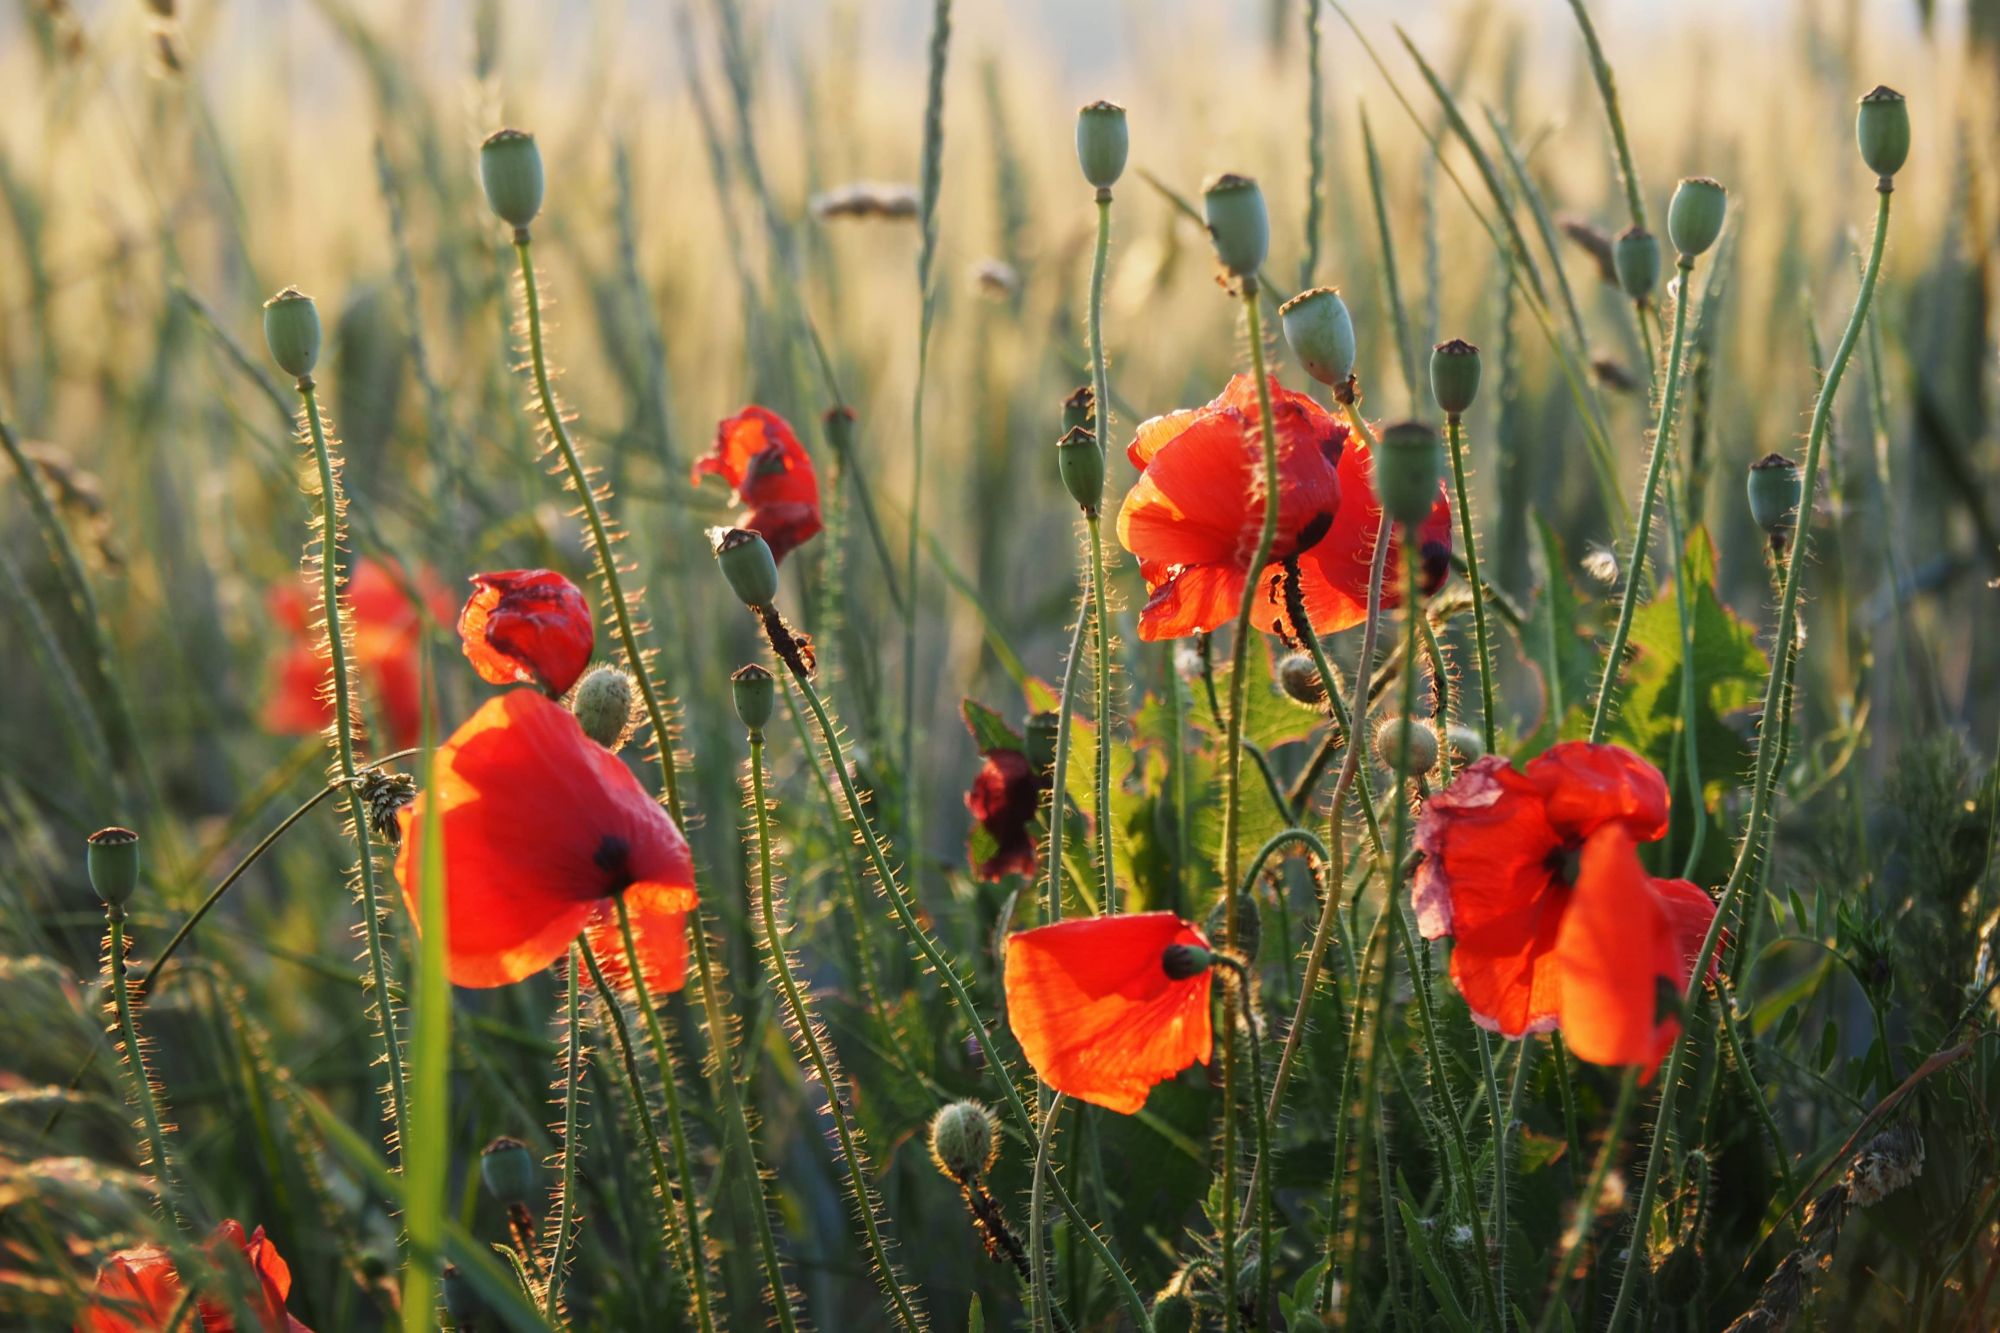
[1102, 143]
[1238, 222]
[747, 563]
[1417, 734]
[1299, 679]
[1454, 376]
[1321, 334]
[754, 690]
[963, 1141]
[508, 1170]
[1081, 463]
[1882, 129]
[1408, 467]
[510, 169]
[291, 331]
[1636, 254]
[1466, 743]
[112, 858]
[1776, 487]
[1695, 215]
[1173, 1312]
[603, 703]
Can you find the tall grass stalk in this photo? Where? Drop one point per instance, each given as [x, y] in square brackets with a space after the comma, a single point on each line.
[427, 1155]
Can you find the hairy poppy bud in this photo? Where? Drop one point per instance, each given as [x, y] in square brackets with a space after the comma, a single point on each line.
[747, 563]
[1249, 926]
[1694, 217]
[1636, 254]
[1321, 334]
[1466, 743]
[462, 1302]
[963, 1143]
[603, 704]
[1776, 487]
[1299, 679]
[1237, 222]
[1395, 733]
[1181, 961]
[1041, 741]
[1454, 376]
[1102, 143]
[1173, 1312]
[291, 331]
[1081, 463]
[1882, 128]
[755, 690]
[1080, 410]
[508, 1171]
[112, 858]
[510, 169]
[1409, 463]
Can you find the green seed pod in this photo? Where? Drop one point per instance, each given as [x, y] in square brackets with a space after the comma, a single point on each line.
[755, 690]
[1249, 927]
[1237, 222]
[1694, 217]
[1882, 129]
[508, 1171]
[1081, 463]
[1102, 143]
[1181, 961]
[463, 1304]
[112, 858]
[1409, 464]
[1466, 743]
[1418, 734]
[963, 1142]
[839, 423]
[1636, 254]
[291, 331]
[603, 703]
[510, 169]
[1454, 376]
[1299, 679]
[1321, 334]
[1080, 410]
[1776, 488]
[747, 563]
[1173, 1312]
[1041, 741]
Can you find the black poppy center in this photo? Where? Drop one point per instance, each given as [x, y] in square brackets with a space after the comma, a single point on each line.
[1310, 535]
[1565, 862]
[613, 856]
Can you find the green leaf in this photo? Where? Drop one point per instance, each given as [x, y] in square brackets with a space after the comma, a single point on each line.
[427, 1154]
[989, 729]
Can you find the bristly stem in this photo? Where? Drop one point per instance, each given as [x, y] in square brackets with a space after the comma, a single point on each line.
[135, 1062]
[1059, 788]
[806, 1031]
[331, 504]
[1764, 780]
[1454, 430]
[1586, 1202]
[563, 1216]
[1100, 616]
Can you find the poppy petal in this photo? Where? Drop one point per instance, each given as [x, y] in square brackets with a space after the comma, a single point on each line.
[1615, 950]
[1586, 786]
[527, 626]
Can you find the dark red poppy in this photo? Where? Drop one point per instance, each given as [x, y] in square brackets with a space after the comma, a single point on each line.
[387, 627]
[760, 458]
[527, 626]
[140, 1291]
[543, 830]
[1535, 875]
[1006, 798]
[1105, 1007]
[1194, 516]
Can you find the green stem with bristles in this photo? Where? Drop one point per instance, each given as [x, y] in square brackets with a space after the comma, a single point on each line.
[1100, 617]
[1488, 721]
[573, 1066]
[135, 1060]
[1586, 1203]
[1059, 788]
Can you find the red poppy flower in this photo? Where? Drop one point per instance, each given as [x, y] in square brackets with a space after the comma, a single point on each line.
[1535, 875]
[1097, 1011]
[527, 626]
[1194, 515]
[139, 1290]
[387, 627]
[543, 828]
[1006, 798]
[772, 475]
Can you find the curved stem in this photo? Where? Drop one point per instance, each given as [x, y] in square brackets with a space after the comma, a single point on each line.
[1101, 618]
[1488, 719]
[573, 1066]
[135, 1058]
[1315, 956]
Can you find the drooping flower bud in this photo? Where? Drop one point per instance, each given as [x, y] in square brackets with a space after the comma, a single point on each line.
[507, 1169]
[1080, 410]
[1081, 463]
[1454, 376]
[1299, 679]
[510, 169]
[1238, 222]
[754, 690]
[291, 331]
[1173, 1312]
[963, 1142]
[1776, 487]
[112, 858]
[605, 703]
[1694, 217]
[1321, 334]
[1409, 463]
[747, 563]
[1102, 143]
[1882, 129]
[1395, 732]
[1637, 257]
[1181, 961]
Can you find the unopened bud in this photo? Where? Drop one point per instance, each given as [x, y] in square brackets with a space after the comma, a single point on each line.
[291, 331]
[963, 1141]
[1299, 679]
[507, 1169]
[1454, 376]
[755, 690]
[1238, 222]
[1102, 143]
[1882, 129]
[1173, 1312]
[1466, 743]
[747, 563]
[510, 169]
[1409, 464]
[1776, 487]
[1694, 217]
[1395, 734]
[1321, 334]
[1182, 961]
[1637, 257]
[1081, 463]
[604, 706]
[112, 858]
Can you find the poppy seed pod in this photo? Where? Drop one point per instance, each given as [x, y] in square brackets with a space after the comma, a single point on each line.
[1882, 129]
[1080, 410]
[603, 706]
[1041, 741]
[1775, 486]
[1081, 463]
[510, 170]
[1417, 734]
[1636, 255]
[1408, 466]
[1466, 743]
[1299, 679]
[1238, 222]
[508, 1171]
[1694, 217]
[1102, 143]
[747, 563]
[1321, 334]
[1454, 376]
[963, 1143]
[112, 859]
[1182, 961]
[291, 331]
[754, 690]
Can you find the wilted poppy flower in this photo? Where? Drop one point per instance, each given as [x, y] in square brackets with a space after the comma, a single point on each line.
[139, 1290]
[1535, 875]
[527, 626]
[1005, 798]
[543, 830]
[772, 475]
[1105, 1007]
[387, 627]
[1194, 516]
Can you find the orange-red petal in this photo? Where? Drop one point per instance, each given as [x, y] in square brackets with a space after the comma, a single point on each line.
[1618, 953]
[659, 933]
[527, 626]
[760, 458]
[140, 1291]
[1333, 575]
[1586, 786]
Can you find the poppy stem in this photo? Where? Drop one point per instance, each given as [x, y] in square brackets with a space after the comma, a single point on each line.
[825, 1065]
[1586, 1203]
[331, 505]
[1247, 1006]
[1059, 776]
[690, 1253]
[1100, 622]
[563, 1216]
[1769, 738]
[1038, 1274]
[141, 1078]
[1337, 1193]
[1454, 430]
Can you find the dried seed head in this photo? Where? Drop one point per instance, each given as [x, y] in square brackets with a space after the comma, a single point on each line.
[747, 563]
[1081, 463]
[1079, 411]
[291, 331]
[1321, 334]
[508, 1170]
[754, 690]
[1238, 222]
[963, 1142]
[1454, 376]
[1882, 129]
[1409, 464]
[1102, 143]
[112, 859]
[605, 702]
[510, 170]
[1695, 215]
[383, 794]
